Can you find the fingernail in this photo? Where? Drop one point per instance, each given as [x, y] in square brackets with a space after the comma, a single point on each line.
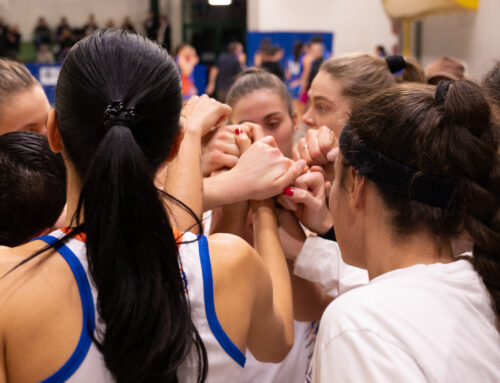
[237, 131]
[288, 191]
[332, 154]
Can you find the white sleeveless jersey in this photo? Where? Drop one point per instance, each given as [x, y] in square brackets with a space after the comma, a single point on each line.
[86, 364]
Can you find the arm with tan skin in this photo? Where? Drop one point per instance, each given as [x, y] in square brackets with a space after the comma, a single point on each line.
[183, 177]
[267, 244]
[309, 298]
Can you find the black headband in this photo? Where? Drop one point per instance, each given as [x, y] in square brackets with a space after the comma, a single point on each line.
[395, 63]
[401, 179]
[117, 114]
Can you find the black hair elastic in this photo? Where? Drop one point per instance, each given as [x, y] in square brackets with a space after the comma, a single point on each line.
[117, 114]
[395, 63]
[434, 190]
[441, 91]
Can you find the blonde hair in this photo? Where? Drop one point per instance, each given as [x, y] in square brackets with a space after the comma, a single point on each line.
[14, 77]
[362, 75]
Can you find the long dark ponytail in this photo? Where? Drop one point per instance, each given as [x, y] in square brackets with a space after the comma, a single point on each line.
[131, 249]
[447, 132]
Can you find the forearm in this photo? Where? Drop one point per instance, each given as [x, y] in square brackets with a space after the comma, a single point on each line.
[184, 181]
[220, 190]
[232, 219]
[267, 244]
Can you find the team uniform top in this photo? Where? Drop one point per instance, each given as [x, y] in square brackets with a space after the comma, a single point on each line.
[425, 323]
[86, 364]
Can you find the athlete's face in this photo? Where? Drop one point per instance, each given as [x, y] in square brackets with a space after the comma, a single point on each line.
[327, 106]
[25, 110]
[269, 110]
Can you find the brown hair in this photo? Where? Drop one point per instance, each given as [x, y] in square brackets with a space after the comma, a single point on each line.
[254, 79]
[413, 72]
[454, 138]
[362, 75]
[491, 86]
[14, 77]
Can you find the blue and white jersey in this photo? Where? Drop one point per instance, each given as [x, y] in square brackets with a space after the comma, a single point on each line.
[86, 364]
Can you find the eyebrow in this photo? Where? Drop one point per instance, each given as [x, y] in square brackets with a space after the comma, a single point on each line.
[265, 117]
[322, 98]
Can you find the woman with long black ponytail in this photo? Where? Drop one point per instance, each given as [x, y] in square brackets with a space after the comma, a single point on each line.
[124, 298]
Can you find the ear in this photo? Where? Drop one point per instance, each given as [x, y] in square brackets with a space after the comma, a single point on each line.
[53, 134]
[176, 145]
[356, 188]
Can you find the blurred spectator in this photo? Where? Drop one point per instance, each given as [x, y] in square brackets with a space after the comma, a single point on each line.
[223, 74]
[164, 33]
[91, 24]
[268, 58]
[44, 55]
[110, 23]
[293, 74]
[186, 59]
[151, 26]
[65, 43]
[12, 43]
[380, 51]
[445, 68]
[63, 25]
[41, 34]
[127, 25]
[316, 50]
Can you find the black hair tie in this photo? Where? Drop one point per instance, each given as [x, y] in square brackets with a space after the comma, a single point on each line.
[441, 91]
[395, 63]
[117, 114]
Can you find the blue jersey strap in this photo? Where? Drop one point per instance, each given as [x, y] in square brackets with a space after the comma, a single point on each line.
[208, 291]
[88, 327]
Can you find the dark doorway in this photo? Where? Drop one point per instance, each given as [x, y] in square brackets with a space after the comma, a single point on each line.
[210, 28]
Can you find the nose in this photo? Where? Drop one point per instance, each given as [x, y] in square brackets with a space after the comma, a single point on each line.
[307, 118]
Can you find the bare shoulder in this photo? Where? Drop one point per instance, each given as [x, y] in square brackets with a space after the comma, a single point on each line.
[233, 253]
[12, 256]
[20, 280]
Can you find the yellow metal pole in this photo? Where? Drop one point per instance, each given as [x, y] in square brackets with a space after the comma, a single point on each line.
[407, 37]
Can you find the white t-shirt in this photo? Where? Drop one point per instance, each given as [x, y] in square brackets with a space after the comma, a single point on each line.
[320, 261]
[425, 323]
[291, 370]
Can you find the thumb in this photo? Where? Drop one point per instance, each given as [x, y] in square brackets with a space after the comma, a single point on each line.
[242, 140]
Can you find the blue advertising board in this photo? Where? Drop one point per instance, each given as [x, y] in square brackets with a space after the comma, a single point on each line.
[47, 75]
[286, 41]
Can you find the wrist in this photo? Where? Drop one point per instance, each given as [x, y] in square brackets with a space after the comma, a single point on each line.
[192, 131]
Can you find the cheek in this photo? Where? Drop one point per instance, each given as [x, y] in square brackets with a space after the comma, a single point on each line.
[284, 138]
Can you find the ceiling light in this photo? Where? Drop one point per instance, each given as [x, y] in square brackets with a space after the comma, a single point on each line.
[219, 2]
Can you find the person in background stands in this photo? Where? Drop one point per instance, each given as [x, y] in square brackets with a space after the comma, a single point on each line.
[164, 33]
[151, 26]
[445, 68]
[224, 73]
